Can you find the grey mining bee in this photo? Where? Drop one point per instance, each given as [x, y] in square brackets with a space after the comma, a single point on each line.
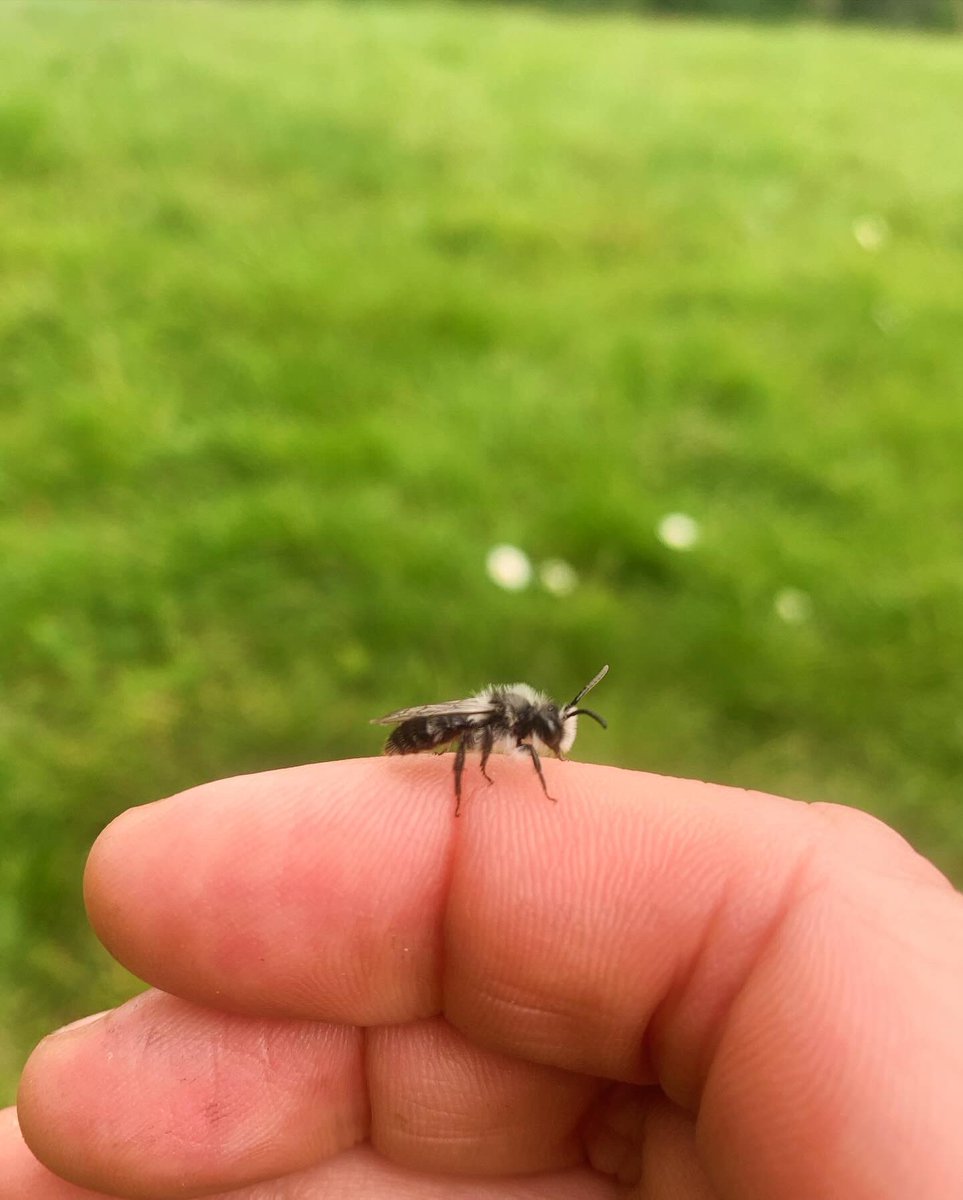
[502, 718]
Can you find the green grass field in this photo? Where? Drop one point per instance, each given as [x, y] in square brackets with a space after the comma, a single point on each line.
[306, 306]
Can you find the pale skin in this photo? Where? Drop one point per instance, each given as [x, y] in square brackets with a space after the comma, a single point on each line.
[653, 988]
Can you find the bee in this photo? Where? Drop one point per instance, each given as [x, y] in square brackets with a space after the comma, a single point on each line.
[502, 719]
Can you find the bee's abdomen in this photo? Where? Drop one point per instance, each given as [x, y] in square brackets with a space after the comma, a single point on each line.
[423, 733]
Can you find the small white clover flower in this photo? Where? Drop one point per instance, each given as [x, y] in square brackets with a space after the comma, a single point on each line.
[871, 232]
[558, 577]
[792, 606]
[509, 567]
[678, 531]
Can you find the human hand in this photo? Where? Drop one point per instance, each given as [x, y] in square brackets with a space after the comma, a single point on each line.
[699, 991]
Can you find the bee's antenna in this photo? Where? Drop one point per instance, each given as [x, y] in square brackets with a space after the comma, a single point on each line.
[588, 687]
[587, 712]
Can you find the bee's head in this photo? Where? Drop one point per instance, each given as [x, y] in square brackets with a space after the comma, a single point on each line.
[555, 728]
[550, 729]
[568, 718]
[568, 727]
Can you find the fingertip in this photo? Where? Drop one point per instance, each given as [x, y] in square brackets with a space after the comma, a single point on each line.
[162, 1097]
[22, 1177]
[127, 829]
[314, 891]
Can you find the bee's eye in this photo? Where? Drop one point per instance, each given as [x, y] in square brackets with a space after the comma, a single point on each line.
[550, 728]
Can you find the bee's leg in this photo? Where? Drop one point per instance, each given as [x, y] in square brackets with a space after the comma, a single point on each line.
[463, 743]
[529, 749]
[487, 741]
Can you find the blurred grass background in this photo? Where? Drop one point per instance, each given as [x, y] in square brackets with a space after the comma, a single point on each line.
[306, 307]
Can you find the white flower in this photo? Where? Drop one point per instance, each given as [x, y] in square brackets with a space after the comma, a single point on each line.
[678, 531]
[792, 606]
[871, 231]
[558, 577]
[509, 567]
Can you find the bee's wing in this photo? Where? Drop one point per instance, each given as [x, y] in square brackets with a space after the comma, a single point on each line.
[448, 708]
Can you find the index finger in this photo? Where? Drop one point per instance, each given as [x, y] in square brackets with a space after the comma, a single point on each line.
[771, 965]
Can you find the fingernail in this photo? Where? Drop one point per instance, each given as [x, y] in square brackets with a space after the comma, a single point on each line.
[134, 816]
[78, 1024]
